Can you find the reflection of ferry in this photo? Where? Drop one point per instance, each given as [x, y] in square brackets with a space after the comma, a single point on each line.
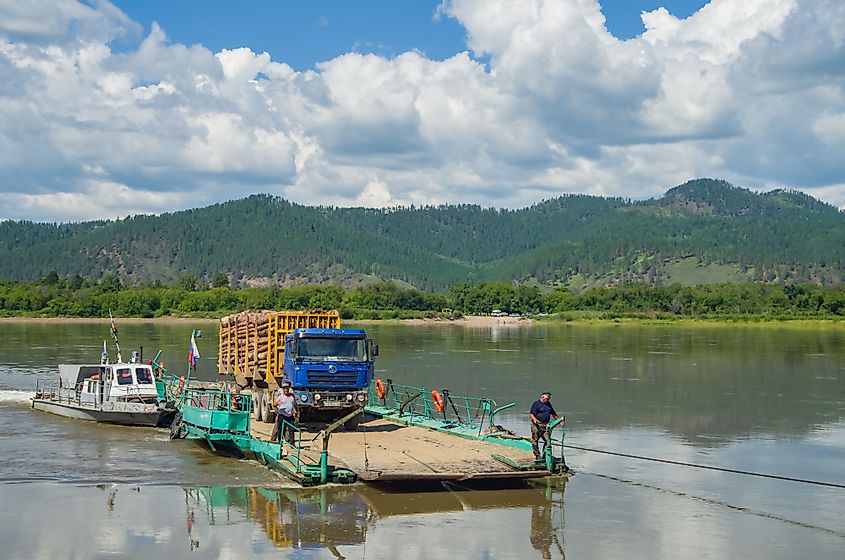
[329, 517]
[291, 518]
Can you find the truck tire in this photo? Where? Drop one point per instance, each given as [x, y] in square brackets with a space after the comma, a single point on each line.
[258, 406]
[269, 414]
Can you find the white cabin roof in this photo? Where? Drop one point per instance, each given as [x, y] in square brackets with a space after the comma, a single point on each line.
[71, 374]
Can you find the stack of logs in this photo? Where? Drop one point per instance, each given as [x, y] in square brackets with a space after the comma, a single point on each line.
[252, 340]
[245, 335]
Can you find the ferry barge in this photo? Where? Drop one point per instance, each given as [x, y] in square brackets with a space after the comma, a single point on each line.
[405, 437]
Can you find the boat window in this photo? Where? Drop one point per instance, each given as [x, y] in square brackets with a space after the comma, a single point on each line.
[88, 371]
[144, 375]
[124, 376]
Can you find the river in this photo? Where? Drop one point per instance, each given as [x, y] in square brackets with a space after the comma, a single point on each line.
[766, 399]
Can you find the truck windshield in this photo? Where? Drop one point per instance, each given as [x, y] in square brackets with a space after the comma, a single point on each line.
[325, 349]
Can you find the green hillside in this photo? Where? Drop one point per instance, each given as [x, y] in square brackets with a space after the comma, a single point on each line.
[701, 232]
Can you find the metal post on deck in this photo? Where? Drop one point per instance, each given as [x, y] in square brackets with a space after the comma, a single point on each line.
[390, 389]
[549, 449]
[324, 465]
[327, 433]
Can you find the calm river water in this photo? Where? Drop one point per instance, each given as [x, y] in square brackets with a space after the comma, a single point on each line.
[763, 399]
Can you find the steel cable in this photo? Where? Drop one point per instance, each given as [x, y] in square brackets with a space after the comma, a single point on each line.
[708, 467]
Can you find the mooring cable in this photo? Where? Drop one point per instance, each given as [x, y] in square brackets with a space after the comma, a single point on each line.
[708, 467]
[719, 503]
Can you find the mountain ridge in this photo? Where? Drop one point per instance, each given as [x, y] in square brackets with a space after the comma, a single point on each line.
[577, 240]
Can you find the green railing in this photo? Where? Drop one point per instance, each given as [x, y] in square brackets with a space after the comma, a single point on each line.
[295, 448]
[473, 413]
[217, 411]
[553, 463]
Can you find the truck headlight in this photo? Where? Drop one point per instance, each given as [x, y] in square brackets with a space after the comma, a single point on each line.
[317, 396]
[349, 396]
[303, 397]
[362, 397]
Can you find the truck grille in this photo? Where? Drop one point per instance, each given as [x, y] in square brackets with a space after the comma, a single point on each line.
[338, 379]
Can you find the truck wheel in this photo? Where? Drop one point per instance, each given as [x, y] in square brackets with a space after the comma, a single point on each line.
[258, 406]
[269, 415]
[352, 424]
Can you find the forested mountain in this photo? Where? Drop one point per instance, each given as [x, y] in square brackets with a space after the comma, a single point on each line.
[702, 231]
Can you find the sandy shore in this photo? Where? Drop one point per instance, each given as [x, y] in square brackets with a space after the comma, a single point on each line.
[474, 321]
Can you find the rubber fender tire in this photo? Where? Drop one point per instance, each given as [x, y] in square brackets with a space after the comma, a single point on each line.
[176, 431]
[258, 406]
[269, 414]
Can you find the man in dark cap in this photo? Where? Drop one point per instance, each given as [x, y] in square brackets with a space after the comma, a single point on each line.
[541, 413]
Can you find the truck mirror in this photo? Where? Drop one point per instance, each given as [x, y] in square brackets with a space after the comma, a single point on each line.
[375, 350]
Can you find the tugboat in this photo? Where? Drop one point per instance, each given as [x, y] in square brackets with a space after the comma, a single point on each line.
[117, 393]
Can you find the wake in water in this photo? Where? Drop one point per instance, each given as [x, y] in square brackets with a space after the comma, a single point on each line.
[11, 396]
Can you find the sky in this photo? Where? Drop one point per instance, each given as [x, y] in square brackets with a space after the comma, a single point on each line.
[112, 109]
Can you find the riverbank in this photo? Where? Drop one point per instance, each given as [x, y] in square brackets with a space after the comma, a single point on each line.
[468, 321]
[473, 321]
[487, 321]
[101, 320]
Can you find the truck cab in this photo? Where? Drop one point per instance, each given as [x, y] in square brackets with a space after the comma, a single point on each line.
[329, 369]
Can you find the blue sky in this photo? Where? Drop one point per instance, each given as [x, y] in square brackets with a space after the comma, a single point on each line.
[116, 108]
[304, 33]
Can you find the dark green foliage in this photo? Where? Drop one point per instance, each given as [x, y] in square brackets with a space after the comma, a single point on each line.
[779, 237]
[220, 280]
[386, 300]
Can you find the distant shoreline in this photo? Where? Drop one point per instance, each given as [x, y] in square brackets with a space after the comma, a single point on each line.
[465, 321]
[468, 321]
[477, 321]
[105, 320]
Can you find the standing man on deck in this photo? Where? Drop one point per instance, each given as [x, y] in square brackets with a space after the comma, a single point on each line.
[286, 410]
[541, 413]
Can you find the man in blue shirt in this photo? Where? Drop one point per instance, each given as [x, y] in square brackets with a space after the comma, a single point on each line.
[541, 413]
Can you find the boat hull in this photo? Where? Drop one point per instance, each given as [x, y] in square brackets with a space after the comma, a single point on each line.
[117, 415]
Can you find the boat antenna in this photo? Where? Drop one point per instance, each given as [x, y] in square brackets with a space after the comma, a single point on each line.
[114, 337]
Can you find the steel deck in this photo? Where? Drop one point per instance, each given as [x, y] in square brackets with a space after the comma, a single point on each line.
[383, 450]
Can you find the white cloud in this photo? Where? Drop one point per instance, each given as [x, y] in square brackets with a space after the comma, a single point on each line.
[748, 90]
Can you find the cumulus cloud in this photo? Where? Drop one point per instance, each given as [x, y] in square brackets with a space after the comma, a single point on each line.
[747, 90]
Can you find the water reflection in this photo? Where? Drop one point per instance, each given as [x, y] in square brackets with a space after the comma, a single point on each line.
[290, 518]
[337, 518]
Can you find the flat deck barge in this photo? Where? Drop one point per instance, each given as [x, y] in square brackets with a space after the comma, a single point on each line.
[406, 436]
[383, 450]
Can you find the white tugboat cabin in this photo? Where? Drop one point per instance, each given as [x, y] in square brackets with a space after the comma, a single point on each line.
[120, 393]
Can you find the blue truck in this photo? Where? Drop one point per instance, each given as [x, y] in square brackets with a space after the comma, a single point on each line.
[330, 368]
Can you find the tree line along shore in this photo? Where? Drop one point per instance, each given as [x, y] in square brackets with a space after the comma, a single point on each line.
[55, 296]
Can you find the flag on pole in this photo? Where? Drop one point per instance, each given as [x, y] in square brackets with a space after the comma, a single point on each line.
[113, 327]
[193, 353]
